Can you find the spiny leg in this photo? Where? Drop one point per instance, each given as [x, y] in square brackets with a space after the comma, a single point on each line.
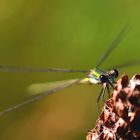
[108, 90]
[97, 102]
[101, 95]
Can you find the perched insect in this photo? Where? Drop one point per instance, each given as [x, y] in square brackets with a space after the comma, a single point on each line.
[95, 75]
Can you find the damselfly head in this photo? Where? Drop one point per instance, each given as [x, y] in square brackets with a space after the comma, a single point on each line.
[103, 79]
[109, 77]
[114, 73]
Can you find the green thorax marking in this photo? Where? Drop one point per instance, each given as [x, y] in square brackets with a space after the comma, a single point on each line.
[97, 72]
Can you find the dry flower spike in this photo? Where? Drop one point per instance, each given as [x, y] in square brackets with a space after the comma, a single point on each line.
[120, 117]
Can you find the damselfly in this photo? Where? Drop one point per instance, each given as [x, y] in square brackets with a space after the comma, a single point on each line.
[94, 76]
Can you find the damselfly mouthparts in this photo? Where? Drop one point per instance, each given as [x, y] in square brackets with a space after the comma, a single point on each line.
[94, 76]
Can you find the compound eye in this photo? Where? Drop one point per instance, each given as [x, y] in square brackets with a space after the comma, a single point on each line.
[102, 78]
[116, 73]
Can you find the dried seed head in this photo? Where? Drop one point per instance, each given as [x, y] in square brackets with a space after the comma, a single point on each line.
[120, 117]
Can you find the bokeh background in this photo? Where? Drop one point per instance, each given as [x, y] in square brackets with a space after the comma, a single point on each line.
[65, 34]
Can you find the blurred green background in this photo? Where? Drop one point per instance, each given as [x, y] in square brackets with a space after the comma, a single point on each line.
[65, 34]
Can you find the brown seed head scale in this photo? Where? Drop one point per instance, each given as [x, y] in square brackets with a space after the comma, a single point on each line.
[120, 117]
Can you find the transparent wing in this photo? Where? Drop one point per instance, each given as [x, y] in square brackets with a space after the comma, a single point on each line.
[28, 69]
[37, 88]
[43, 90]
[128, 64]
[113, 44]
